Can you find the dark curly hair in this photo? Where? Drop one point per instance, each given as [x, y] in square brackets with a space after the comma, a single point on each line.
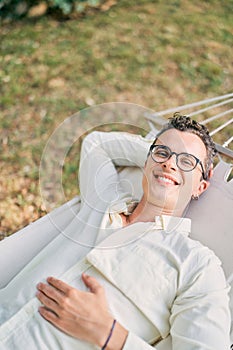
[185, 123]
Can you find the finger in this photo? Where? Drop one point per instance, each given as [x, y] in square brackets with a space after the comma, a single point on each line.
[55, 320]
[48, 315]
[94, 286]
[51, 292]
[49, 303]
[60, 285]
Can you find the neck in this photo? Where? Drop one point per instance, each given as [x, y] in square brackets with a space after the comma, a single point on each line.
[146, 212]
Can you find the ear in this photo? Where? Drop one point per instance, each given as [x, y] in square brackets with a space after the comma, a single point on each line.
[211, 171]
[204, 184]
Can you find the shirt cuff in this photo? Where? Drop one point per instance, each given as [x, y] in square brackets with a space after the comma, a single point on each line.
[135, 343]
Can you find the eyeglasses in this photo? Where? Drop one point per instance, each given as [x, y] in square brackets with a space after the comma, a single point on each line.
[184, 161]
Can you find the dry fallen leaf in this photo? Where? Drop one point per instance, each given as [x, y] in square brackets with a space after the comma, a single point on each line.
[38, 10]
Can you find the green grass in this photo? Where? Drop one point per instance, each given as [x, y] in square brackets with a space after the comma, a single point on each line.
[156, 54]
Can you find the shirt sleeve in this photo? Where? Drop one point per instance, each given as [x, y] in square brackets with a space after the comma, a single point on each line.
[136, 343]
[200, 315]
[100, 154]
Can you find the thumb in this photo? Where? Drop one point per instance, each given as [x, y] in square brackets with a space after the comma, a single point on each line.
[92, 284]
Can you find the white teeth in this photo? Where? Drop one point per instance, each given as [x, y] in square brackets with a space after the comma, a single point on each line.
[165, 179]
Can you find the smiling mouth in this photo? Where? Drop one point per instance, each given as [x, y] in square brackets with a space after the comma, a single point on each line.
[166, 180]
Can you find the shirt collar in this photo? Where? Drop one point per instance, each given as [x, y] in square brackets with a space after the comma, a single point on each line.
[166, 223]
[173, 223]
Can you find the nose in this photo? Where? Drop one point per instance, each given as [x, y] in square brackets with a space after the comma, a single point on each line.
[170, 163]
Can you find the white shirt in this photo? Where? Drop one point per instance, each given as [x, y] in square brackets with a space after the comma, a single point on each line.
[157, 279]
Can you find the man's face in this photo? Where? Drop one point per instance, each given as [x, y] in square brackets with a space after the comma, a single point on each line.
[164, 184]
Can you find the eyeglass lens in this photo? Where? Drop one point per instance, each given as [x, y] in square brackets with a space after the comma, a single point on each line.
[185, 161]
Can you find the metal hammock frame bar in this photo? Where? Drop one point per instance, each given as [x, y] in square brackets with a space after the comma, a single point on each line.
[221, 109]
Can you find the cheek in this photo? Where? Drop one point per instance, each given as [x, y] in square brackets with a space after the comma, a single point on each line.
[144, 182]
[193, 182]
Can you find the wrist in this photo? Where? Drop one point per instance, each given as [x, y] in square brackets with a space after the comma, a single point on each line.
[118, 338]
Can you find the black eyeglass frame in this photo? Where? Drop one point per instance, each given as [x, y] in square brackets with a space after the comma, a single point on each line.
[198, 161]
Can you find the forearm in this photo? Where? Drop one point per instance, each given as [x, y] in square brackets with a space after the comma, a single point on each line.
[124, 149]
[122, 339]
[117, 338]
[101, 152]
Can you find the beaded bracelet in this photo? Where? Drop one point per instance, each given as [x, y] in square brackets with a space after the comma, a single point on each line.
[109, 336]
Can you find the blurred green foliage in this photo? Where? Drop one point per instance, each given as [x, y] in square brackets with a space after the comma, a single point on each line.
[13, 9]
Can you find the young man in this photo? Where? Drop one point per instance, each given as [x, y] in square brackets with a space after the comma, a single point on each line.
[145, 277]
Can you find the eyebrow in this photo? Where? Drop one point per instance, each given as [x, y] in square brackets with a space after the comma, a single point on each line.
[162, 144]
